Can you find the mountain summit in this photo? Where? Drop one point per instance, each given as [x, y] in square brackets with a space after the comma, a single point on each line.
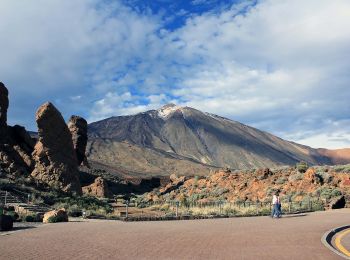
[183, 140]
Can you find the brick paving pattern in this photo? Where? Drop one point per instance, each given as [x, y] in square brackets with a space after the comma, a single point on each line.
[236, 238]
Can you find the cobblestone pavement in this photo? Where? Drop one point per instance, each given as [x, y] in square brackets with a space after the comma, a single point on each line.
[235, 238]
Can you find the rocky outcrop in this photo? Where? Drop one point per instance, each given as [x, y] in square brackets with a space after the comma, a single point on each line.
[16, 145]
[98, 189]
[54, 155]
[4, 104]
[337, 203]
[175, 182]
[78, 128]
[53, 216]
[23, 145]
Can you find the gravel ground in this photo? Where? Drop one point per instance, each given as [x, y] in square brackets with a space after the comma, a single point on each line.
[235, 238]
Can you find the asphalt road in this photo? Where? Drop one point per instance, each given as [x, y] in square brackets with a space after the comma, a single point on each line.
[235, 238]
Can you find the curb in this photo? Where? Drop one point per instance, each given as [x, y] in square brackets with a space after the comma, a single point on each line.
[327, 240]
[197, 217]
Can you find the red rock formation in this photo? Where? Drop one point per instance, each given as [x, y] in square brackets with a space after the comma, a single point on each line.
[16, 145]
[54, 155]
[97, 189]
[78, 128]
[60, 216]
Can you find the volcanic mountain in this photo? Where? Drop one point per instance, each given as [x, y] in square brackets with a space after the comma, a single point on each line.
[186, 141]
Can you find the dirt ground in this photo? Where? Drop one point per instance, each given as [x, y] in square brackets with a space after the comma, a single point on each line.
[297, 237]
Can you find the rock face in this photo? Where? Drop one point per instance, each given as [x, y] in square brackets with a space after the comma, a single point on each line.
[98, 189]
[175, 183]
[16, 145]
[54, 155]
[4, 104]
[78, 128]
[337, 203]
[59, 215]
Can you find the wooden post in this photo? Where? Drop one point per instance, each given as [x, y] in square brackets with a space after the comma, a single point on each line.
[127, 209]
[177, 208]
[309, 204]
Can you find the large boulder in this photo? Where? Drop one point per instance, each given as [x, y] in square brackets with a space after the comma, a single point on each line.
[97, 189]
[4, 104]
[54, 155]
[6, 223]
[54, 216]
[337, 203]
[78, 128]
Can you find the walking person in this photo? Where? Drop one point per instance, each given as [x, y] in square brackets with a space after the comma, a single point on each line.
[276, 206]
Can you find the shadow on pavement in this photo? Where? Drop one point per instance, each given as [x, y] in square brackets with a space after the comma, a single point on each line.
[23, 228]
[294, 216]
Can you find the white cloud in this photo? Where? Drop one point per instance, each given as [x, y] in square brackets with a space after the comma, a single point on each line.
[281, 66]
[53, 50]
[124, 104]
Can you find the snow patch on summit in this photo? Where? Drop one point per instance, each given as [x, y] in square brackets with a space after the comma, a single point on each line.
[167, 110]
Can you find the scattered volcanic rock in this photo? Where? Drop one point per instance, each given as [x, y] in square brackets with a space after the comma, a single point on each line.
[54, 155]
[249, 186]
[97, 189]
[78, 128]
[59, 215]
[4, 104]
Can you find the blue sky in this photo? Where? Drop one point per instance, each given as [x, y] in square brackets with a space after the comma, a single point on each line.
[280, 66]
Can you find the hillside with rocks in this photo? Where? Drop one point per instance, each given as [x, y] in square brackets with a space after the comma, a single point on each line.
[186, 141]
[325, 183]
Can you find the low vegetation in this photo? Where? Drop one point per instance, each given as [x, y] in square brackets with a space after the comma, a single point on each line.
[90, 205]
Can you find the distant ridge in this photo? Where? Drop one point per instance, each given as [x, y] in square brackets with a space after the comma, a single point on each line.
[186, 141]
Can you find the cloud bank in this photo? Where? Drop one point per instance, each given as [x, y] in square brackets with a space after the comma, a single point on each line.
[281, 66]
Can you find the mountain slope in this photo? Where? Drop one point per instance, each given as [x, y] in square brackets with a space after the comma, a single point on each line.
[175, 139]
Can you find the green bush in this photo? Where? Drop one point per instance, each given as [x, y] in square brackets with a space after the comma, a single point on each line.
[30, 218]
[336, 193]
[56, 219]
[14, 215]
[195, 181]
[302, 167]
[84, 203]
[281, 180]
[296, 177]
[342, 168]
[328, 193]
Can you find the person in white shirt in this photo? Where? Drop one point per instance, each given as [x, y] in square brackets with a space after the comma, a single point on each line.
[276, 205]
